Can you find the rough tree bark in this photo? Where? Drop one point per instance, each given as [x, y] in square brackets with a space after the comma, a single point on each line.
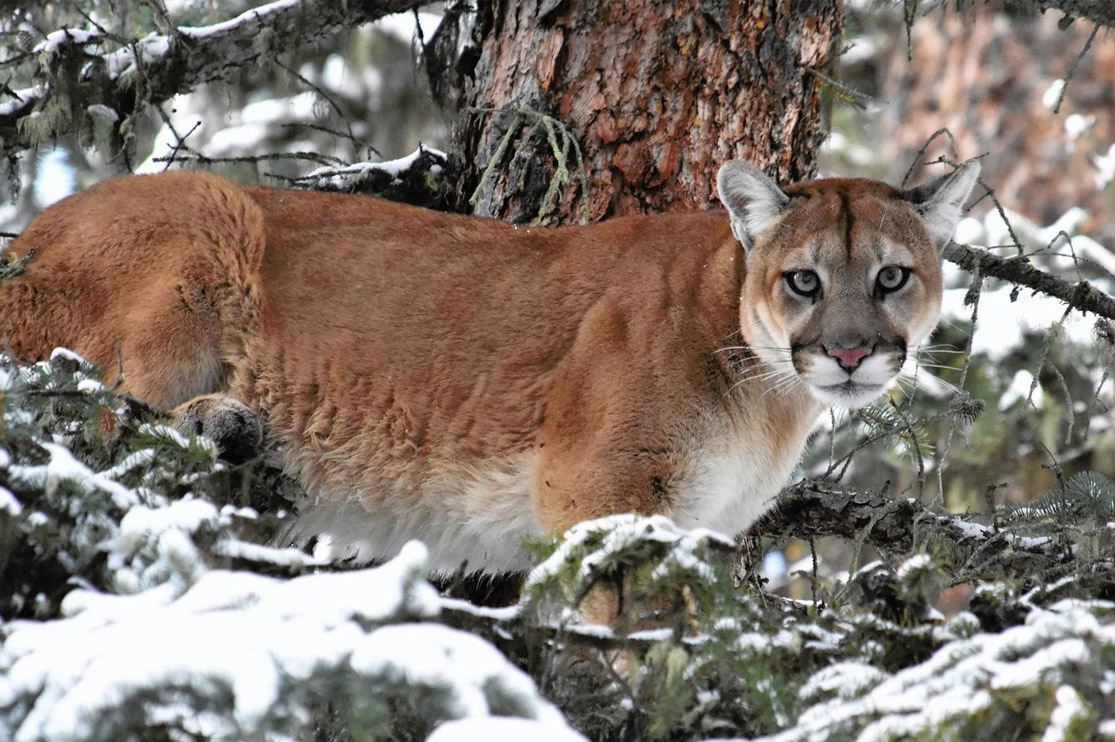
[657, 94]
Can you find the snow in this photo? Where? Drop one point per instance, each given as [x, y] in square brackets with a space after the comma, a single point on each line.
[844, 679]
[69, 355]
[1019, 390]
[1004, 323]
[618, 532]
[402, 26]
[235, 638]
[55, 39]
[8, 502]
[1069, 709]
[19, 99]
[1105, 167]
[198, 32]
[288, 557]
[131, 462]
[964, 677]
[170, 435]
[336, 177]
[151, 48]
[1005, 320]
[1052, 93]
[64, 468]
[914, 565]
[503, 729]
[1077, 125]
[142, 524]
[470, 676]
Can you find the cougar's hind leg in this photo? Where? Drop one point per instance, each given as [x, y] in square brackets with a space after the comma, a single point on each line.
[170, 351]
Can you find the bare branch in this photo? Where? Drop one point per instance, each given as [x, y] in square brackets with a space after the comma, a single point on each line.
[177, 63]
[894, 525]
[1018, 269]
[1100, 12]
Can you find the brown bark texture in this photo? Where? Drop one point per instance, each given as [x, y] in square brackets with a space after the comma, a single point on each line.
[655, 93]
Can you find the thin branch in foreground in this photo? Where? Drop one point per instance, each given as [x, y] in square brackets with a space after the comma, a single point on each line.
[1081, 295]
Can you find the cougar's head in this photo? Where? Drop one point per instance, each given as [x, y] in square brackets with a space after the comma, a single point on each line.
[843, 276]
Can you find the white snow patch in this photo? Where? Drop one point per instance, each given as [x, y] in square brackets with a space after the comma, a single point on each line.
[403, 26]
[287, 557]
[1052, 93]
[142, 524]
[68, 355]
[9, 504]
[503, 729]
[1105, 167]
[64, 468]
[1070, 707]
[1019, 390]
[230, 638]
[90, 386]
[468, 670]
[336, 177]
[622, 531]
[1076, 125]
[198, 32]
[956, 681]
[62, 36]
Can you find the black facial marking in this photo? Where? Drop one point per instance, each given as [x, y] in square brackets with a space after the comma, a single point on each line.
[797, 359]
[846, 207]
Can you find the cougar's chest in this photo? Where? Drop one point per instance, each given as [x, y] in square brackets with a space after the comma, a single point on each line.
[739, 464]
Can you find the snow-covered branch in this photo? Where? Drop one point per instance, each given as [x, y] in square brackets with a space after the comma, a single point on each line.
[159, 66]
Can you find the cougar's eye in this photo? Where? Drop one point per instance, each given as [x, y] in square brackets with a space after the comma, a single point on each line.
[803, 283]
[891, 278]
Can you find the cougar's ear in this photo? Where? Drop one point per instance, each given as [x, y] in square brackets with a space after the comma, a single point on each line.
[940, 200]
[753, 200]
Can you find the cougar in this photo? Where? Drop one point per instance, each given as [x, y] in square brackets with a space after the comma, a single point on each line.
[474, 384]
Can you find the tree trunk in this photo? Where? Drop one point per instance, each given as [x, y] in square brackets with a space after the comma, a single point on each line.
[639, 101]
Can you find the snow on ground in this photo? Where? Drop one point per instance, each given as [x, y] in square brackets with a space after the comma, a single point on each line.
[239, 646]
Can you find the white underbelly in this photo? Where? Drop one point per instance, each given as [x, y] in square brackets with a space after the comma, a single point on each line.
[479, 517]
[476, 518]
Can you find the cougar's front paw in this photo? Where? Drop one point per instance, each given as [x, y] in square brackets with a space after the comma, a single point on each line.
[233, 426]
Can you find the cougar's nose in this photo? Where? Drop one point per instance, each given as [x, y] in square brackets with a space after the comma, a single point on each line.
[849, 358]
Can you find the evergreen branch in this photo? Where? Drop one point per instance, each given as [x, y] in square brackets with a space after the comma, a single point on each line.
[177, 63]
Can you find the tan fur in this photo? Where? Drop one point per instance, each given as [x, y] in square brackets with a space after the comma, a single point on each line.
[456, 379]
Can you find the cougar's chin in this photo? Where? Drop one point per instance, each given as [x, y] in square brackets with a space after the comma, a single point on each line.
[849, 393]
